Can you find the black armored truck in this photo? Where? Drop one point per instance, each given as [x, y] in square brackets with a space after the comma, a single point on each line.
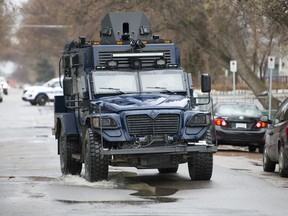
[128, 102]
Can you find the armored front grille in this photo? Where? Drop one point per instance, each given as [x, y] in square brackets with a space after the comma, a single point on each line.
[124, 62]
[141, 125]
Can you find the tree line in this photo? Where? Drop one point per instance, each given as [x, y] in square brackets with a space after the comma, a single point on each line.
[209, 33]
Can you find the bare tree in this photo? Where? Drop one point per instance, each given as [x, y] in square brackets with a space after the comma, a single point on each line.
[210, 33]
[6, 24]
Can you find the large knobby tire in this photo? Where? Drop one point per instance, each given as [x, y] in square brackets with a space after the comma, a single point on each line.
[41, 100]
[283, 163]
[96, 165]
[200, 165]
[67, 163]
[268, 165]
[168, 170]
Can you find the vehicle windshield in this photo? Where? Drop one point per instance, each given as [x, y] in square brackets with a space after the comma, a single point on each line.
[52, 83]
[162, 80]
[107, 82]
[238, 110]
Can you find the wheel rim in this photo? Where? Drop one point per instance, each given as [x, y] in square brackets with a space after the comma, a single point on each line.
[42, 100]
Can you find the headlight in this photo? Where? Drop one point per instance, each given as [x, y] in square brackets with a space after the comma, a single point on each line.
[199, 120]
[106, 122]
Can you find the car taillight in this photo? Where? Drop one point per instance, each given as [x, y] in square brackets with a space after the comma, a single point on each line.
[287, 132]
[261, 124]
[220, 122]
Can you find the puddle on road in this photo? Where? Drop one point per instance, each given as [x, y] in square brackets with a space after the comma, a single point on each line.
[240, 169]
[128, 180]
[40, 178]
[149, 200]
[117, 180]
[31, 178]
[256, 163]
[42, 136]
[121, 180]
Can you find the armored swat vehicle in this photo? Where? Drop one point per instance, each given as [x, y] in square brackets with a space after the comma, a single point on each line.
[128, 102]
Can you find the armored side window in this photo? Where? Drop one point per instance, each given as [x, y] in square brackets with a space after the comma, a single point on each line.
[126, 28]
[65, 62]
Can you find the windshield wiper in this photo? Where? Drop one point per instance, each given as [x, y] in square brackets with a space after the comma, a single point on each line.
[162, 88]
[114, 89]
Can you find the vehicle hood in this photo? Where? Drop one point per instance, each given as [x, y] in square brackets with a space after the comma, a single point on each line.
[142, 101]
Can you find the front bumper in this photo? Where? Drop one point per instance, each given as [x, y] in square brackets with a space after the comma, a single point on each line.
[25, 99]
[183, 150]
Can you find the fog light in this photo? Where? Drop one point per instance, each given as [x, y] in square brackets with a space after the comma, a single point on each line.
[160, 63]
[136, 63]
[112, 64]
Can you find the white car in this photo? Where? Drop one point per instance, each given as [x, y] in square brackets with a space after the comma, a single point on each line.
[42, 94]
[4, 85]
[1, 98]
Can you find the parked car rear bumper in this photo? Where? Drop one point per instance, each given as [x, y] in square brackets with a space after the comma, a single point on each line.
[239, 137]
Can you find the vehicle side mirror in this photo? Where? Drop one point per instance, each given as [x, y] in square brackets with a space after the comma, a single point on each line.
[68, 86]
[265, 118]
[205, 83]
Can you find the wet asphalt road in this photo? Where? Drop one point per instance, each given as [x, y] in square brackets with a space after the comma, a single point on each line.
[31, 182]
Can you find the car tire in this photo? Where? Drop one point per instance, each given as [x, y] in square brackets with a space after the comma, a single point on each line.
[168, 170]
[261, 148]
[96, 165]
[268, 165]
[67, 163]
[5, 91]
[252, 148]
[41, 100]
[283, 163]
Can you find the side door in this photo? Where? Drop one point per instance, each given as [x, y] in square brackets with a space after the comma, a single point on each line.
[273, 134]
[283, 125]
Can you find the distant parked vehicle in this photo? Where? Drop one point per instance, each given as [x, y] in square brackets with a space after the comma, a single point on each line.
[4, 85]
[42, 94]
[276, 142]
[239, 124]
[1, 98]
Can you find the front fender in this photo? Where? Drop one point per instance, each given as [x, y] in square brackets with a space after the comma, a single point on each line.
[67, 123]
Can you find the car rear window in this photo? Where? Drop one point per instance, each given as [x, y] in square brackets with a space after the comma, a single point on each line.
[238, 109]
